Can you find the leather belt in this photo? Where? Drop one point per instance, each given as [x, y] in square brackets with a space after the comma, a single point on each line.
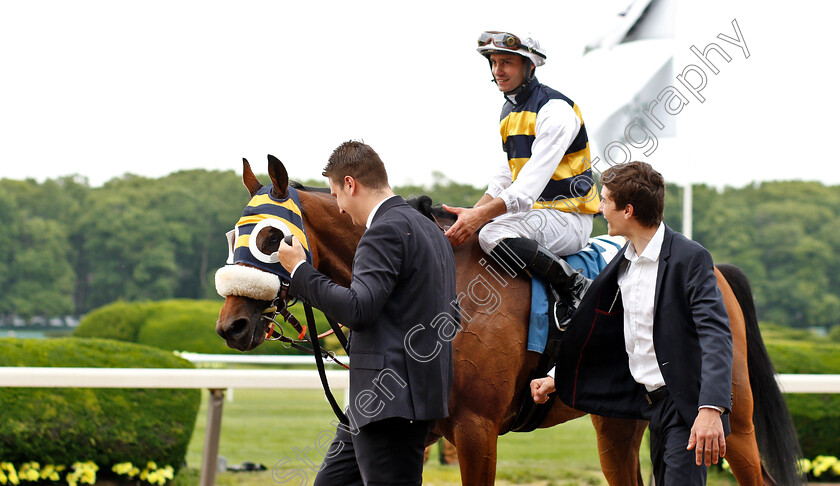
[656, 395]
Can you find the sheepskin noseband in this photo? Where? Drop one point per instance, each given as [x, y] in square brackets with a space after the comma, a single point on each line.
[247, 282]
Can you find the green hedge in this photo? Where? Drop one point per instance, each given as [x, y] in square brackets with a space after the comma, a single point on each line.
[121, 321]
[816, 416]
[107, 426]
[179, 325]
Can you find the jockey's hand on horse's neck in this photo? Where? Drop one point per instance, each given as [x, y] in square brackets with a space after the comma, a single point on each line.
[471, 219]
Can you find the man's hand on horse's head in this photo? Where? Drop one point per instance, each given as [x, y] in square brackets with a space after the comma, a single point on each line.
[290, 256]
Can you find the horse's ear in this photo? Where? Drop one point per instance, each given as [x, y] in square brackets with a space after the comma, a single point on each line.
[249, 179]
[279, 177]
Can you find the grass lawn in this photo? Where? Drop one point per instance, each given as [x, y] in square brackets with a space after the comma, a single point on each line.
[280, 428]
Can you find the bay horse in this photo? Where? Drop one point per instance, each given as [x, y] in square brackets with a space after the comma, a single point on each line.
[492, 365]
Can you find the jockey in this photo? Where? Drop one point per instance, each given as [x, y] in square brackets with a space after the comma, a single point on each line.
[541, 201]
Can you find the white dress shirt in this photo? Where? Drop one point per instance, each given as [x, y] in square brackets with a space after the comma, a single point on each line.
[637, 281]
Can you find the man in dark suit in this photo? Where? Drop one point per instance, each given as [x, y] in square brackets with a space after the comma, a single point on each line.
[651, 337]
[398, 302]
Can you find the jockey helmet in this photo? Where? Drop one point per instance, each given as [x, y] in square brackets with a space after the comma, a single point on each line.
[496, 42]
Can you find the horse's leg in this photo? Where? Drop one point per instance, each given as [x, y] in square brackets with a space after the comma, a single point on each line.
[475, 438]
[619, 441]
[741, 447]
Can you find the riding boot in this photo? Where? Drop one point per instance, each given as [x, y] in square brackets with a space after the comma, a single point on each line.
[567, 285]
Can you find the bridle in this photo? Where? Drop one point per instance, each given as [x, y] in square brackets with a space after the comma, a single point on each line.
[280, 307]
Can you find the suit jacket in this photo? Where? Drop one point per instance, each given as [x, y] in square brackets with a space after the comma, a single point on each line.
[398, 310]
[690, 335]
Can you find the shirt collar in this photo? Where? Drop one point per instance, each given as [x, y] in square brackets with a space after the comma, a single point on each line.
[652, 249]
[374, 210]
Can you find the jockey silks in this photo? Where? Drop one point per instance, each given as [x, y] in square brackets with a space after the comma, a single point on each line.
[571, 187]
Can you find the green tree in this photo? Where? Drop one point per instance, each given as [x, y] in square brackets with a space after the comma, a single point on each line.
[40, 278]
[9, 221]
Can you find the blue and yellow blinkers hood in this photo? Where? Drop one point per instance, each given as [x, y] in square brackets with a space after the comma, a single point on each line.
[263, 210]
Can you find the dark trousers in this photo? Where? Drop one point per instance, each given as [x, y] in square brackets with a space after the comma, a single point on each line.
[386, 452]
[673, 465]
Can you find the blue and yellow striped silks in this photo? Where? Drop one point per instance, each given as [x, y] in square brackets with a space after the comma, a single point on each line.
[264, 210]
[572, 186]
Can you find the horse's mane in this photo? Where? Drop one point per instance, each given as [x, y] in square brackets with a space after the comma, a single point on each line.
[423, 203]
[300, 187]
[434, 212]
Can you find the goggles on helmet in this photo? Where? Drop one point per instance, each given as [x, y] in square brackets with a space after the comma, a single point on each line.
[505, 41]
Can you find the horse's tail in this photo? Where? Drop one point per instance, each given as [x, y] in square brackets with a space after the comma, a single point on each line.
[774, 430]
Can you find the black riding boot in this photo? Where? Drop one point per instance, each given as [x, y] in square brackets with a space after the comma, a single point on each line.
[568, 285]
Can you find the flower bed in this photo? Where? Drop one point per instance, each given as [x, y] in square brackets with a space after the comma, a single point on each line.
[33, 474]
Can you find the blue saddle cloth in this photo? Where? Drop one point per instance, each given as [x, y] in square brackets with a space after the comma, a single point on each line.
[591, 260]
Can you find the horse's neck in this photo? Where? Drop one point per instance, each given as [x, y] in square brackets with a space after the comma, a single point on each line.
[332, 236]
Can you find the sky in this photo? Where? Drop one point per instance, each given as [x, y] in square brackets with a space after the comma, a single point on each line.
[105, 88]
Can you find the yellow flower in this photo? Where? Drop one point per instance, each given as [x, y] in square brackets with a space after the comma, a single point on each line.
[805, 465]
[47, 471]
[123, 468]
[29, 471]
[84, 472]
[822, 464]
[11, 474]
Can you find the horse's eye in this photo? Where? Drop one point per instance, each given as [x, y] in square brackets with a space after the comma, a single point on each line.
[269, 239]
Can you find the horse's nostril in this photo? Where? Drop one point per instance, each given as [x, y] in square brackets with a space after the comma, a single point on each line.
[238, 326]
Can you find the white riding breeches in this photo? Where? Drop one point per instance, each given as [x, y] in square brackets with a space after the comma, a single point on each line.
[561, 232]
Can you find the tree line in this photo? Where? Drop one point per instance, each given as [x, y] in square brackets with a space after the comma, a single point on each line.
[68, 248]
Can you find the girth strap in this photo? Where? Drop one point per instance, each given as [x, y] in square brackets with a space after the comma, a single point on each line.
[530, 415]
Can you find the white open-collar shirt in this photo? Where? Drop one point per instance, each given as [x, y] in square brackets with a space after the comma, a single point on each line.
[637, 281]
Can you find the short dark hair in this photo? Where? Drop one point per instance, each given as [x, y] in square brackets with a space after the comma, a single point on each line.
[637, 184]
[358, 160]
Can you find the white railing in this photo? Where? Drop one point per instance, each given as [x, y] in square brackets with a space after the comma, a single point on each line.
[809, 383]
[260, 359]
[218, 380]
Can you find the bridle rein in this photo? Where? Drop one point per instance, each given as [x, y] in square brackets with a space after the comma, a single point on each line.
[274, 332]
[280, 306]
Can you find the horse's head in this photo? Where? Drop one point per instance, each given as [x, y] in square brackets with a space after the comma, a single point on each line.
[252, 282]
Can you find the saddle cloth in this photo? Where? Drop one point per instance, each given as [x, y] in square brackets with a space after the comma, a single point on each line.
[590, 261]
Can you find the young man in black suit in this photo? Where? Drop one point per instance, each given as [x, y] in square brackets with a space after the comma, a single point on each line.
[400, 374]
[651, 337]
